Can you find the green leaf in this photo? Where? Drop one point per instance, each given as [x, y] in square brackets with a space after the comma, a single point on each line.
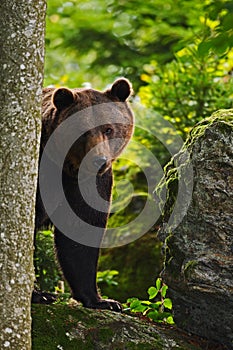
[158, 283]
[152, 291]
[156, 305]
[203, 48]
[136, 306]
[170, 320]
[164, 290]
[46, 233]
[107, 276]
[130, 300]
[154, 315]
[164, 315]
[227, 22]
[146, 302]
[220, 43]
[167, 303]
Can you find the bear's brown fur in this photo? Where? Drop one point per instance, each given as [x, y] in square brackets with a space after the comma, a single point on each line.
[109, 118]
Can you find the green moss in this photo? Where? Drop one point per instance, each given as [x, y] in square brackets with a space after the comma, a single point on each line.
[63, 327]
[145, 346]
[223, 117]
[189, 268]
[56, 325]
[68, 327]
[175, 174]
[173, 170]
[170, 181]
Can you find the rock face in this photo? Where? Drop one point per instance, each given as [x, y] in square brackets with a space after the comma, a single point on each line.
[199, 251]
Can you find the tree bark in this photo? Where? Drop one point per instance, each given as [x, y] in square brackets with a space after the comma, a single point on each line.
[21, 71]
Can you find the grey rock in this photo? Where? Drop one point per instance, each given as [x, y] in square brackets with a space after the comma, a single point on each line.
[199, 251]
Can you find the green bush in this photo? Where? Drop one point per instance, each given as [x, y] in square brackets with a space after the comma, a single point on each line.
[189, 88]
[46, 268]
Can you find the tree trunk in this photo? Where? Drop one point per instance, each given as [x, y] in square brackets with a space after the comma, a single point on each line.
[21, 70]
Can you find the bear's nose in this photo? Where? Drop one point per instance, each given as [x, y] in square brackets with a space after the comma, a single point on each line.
[99, 161]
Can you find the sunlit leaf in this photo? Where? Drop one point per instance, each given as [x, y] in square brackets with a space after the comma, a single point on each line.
[167, 303]
[170, 320]
[158, 283]
[164, 291]
[152, 291]
[136, 306]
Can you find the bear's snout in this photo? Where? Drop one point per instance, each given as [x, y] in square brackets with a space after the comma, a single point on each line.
[100, 161]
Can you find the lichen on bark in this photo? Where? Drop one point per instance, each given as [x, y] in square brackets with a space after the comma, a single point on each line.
[21, 62]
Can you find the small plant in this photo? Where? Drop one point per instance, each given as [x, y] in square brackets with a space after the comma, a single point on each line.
[63, 298]
[107, 277]
[158, 311]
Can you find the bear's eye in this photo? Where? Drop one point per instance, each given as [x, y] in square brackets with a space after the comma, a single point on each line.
[108, 131]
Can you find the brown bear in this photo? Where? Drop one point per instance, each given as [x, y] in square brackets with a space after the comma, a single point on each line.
[105, 125]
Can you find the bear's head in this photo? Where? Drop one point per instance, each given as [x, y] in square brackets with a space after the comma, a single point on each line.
[105, 124]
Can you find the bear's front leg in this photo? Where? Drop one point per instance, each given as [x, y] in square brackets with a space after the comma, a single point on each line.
[79, 265]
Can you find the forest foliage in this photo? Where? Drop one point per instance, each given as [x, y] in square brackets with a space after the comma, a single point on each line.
[94, 41]
[177, 54]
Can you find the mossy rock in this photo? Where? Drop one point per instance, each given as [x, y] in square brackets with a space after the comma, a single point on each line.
[76, 328]
[167, 189]
[198, 236]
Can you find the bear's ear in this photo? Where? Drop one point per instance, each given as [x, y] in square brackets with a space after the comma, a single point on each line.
[121, 89]
[62, 98]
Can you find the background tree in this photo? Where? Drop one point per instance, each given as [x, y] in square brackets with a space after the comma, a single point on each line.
[21, 69]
